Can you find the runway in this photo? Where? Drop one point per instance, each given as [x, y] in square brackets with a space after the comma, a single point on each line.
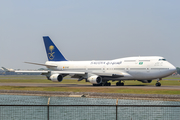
[88, 86]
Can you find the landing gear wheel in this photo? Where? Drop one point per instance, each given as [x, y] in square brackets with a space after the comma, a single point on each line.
[106, 84]
[97, 84]
[119, 84]
[158, 84]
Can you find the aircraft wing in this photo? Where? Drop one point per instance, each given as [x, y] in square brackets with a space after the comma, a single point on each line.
[25, 71]
[85, 74]
[73, 74]
[41, 64]
[110, 75]
[44, 71]
[7, 70]
[69, 72]
[79, 74]
[29, 71]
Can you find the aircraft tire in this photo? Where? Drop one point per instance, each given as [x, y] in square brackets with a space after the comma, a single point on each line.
[97, 84]
[119, 84]
[107, 84]
[158, 84]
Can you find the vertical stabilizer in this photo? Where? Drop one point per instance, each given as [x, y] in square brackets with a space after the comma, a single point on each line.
[52, 51]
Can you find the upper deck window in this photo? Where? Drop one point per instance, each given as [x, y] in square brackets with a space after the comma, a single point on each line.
[162, 59]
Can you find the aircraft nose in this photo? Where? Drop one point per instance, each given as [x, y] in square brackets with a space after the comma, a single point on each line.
[172, 68]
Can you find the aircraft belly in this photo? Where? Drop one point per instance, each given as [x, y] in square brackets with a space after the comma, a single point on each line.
[149, 75]
[143, 75]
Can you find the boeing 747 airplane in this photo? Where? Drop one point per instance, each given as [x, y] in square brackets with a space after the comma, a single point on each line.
[144, 69]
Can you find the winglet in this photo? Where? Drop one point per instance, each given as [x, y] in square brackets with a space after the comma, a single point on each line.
[7, 70]
[52, 51]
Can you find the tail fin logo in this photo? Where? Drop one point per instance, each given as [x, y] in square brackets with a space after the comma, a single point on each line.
[51, 53]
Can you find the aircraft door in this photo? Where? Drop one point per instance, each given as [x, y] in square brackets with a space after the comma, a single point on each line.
[104, 69]
[127, 68]
[148, 68]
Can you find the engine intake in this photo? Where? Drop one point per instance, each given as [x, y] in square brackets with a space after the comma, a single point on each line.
[56, 77]
[95, 79]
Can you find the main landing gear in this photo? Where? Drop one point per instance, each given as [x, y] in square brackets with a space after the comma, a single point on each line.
[158, 84]
[106, 84]
[120, 83]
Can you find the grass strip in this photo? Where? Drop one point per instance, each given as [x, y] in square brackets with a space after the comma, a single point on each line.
[99, 90]
[70, 81]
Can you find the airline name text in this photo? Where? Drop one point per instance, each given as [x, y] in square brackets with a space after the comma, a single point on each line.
[106, 63]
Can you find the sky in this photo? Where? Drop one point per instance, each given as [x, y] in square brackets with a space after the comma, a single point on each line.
[88, 30]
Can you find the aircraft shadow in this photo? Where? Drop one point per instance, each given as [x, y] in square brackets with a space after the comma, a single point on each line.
[135, 85]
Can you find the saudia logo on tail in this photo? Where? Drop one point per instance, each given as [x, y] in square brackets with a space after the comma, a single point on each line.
[51, 53]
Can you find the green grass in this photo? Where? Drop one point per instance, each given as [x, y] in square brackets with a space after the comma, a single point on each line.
[37, 79]
[100, 90]
[42, 79]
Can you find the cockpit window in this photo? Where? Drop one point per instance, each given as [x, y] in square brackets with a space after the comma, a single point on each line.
[162, 59]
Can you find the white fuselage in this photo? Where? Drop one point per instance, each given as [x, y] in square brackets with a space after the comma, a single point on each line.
[131, 68]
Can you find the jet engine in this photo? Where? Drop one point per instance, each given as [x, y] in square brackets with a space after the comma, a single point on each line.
[95, 79]
[145, 81]
[56, 77]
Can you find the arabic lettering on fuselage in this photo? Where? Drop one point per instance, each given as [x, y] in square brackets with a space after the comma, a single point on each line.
[106, 63]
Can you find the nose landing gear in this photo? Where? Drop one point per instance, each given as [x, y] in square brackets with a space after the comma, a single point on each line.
[158, 84]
